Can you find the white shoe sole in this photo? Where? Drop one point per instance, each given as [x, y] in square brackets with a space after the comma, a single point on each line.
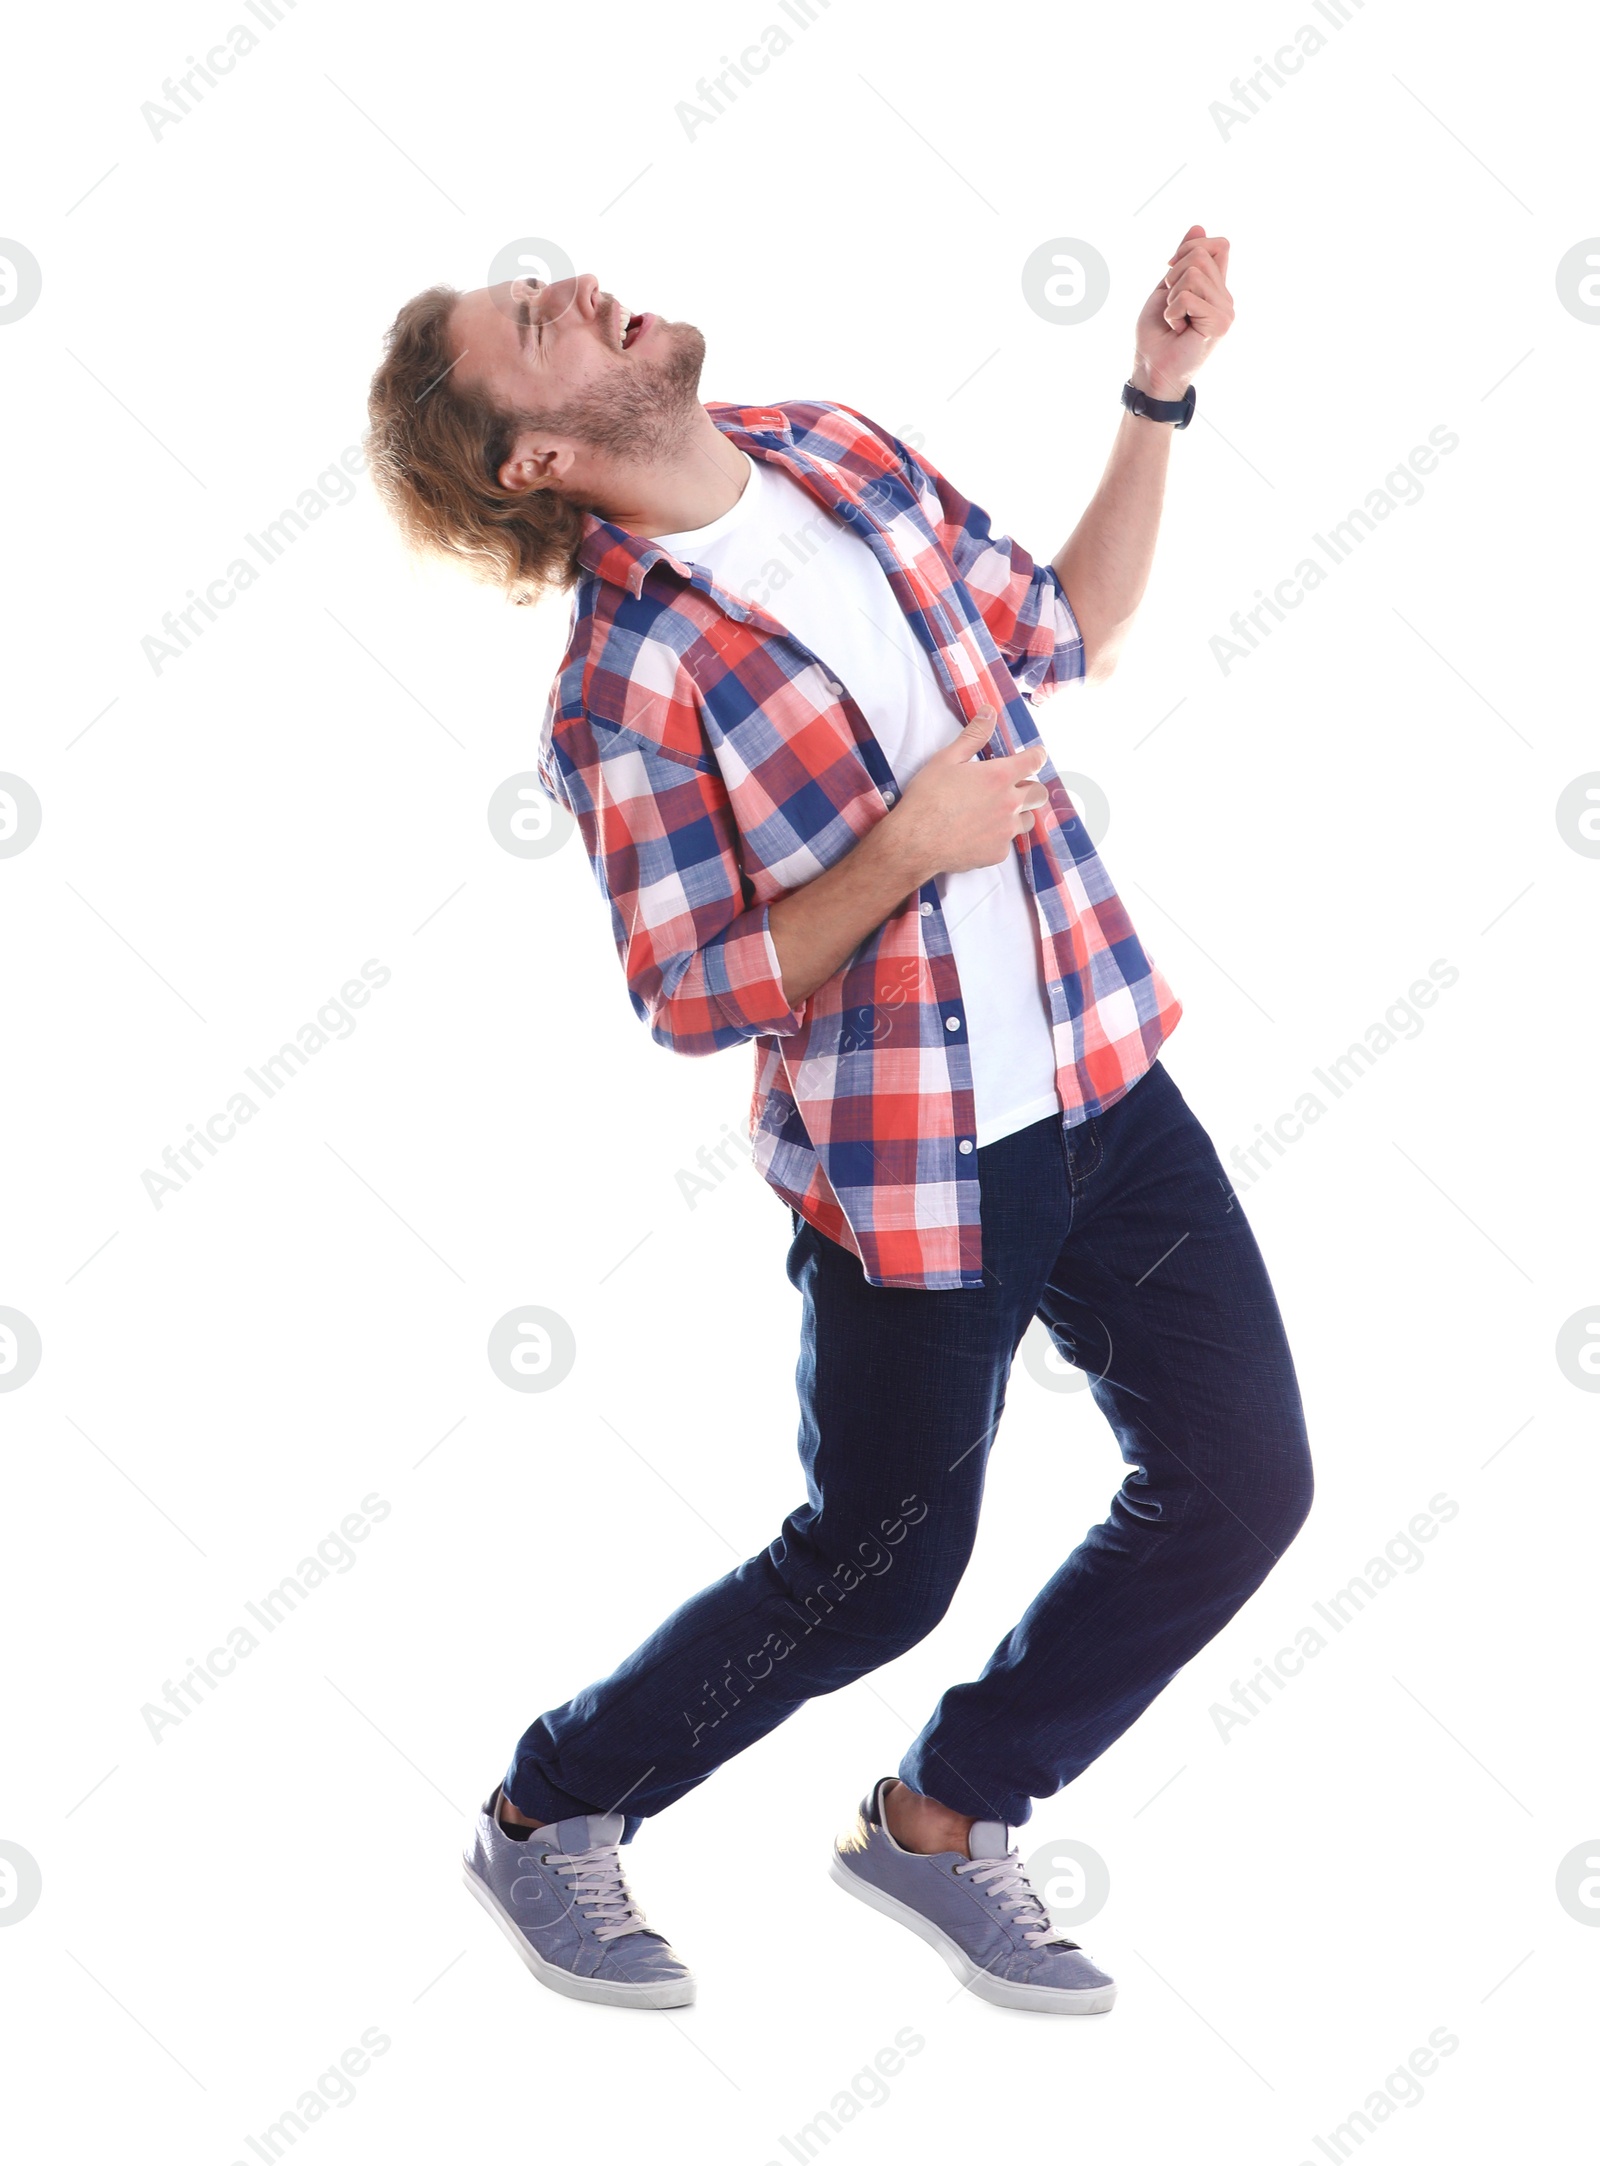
[1003, 1992]
[612, 1993]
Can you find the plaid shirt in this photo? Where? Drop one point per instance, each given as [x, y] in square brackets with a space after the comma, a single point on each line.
[713, 763]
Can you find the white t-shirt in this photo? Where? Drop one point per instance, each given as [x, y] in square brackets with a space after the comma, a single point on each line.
[779, 548]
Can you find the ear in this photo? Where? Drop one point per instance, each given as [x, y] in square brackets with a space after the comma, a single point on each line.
[535, 463]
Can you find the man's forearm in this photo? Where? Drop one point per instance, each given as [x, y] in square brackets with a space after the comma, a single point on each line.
[1105, 564]
[817, 927]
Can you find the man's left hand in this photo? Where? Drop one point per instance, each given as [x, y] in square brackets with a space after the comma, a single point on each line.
[1185, 316]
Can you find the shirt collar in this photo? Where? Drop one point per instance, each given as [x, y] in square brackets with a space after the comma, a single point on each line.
[622, 559]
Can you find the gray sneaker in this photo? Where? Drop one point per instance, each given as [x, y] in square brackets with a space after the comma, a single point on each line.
[979, 1911]
[561, 1900]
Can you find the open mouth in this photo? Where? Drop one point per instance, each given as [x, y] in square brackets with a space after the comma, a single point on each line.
[631, 328]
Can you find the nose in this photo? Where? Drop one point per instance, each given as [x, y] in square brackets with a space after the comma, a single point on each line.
[561, 294]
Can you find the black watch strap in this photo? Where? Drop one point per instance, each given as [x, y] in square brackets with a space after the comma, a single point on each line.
[1177, 411]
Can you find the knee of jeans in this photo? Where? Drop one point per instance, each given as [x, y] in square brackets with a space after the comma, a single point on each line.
[902, 1622]
[887, 1614]
[1272, 1499]
[1298, 1495]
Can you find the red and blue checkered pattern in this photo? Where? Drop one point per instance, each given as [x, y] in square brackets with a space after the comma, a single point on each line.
[713, 763]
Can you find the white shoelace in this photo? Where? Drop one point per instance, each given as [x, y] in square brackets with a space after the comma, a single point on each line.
[1006, 1884]
[599, 1890]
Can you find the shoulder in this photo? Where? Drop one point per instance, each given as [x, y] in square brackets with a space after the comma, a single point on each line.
[822, 429]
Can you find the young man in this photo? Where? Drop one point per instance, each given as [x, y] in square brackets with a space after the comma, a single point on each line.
[794, 726]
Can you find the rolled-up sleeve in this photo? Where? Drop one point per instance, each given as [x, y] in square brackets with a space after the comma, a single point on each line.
[701, 967]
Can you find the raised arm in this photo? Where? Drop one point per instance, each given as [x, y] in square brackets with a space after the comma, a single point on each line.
[1104, 565]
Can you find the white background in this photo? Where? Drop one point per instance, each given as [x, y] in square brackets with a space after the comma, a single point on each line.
[226, 841]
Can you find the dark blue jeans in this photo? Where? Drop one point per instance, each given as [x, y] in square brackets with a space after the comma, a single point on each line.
[1124, 1236]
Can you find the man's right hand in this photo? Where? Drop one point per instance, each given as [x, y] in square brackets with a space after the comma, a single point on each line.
[959, 812]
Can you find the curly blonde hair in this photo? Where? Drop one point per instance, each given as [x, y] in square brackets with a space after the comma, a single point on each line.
[435, 448]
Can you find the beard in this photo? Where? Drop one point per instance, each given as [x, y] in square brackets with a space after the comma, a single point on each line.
[644, 409]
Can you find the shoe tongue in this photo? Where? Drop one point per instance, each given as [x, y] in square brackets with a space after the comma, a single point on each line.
[988, 1839]
[584, 1831]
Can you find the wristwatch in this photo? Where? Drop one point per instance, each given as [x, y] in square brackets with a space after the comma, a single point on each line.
[1177, 411]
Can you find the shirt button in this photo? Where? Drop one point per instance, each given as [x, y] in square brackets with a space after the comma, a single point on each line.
[952, 1022]
[889, 797]
[963, 1146]
[927, 910]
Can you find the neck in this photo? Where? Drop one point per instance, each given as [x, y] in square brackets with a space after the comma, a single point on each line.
[701, 478]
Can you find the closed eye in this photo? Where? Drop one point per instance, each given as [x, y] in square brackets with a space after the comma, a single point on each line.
[526, 321]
